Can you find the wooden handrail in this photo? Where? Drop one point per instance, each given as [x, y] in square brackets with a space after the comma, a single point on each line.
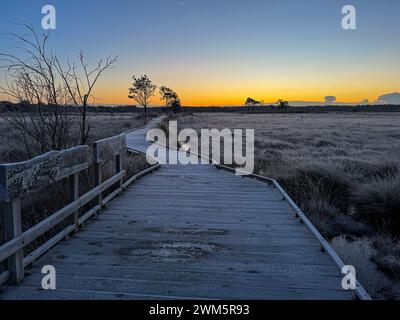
[361, 293]
[12, 246]
[18, 179]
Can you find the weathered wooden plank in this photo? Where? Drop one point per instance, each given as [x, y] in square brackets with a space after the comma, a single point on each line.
[159, 203]
[167, 272]
[89, 214]
[179, 209]
[282, 229]
[246, 278]
[184, 213]
[140, 175]
[299, 264]
[209, 290]
[201, 197]
[17, 179]
[217, 236]
[208, 251]
[198, 242]
[212, 205]
[201, 223]
[223, 261]
[37, 253]
[4, 277]
[106, 149]
[31, 293]
[111, 196]
[191, 250]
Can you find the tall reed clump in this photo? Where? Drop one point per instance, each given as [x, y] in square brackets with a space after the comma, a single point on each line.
[323, 193]
[377, 202]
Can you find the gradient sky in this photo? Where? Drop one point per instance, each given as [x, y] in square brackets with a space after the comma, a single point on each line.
[219, 52]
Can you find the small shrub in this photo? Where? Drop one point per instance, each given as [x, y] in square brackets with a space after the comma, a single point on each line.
[374, 169]
[328, 183]
[387, 256]
[323, 215]
[384, 169]
[324, 143]
[359, 254]
[135, 163]
[378, 203]
[331, 222]
[140, 117]
[278, 145]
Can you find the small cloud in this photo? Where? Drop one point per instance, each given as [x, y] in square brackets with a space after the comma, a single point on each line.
[330, 99]
[181, 3]
[390, 98]
[364, 102]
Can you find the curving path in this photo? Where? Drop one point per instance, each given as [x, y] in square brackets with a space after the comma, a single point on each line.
[189, 232]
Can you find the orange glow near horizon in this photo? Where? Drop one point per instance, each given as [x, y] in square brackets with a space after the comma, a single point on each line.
[220, 94]
[210, 84]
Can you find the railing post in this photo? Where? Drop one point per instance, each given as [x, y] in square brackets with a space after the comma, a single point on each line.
[74, 195]
[98, 179]
[118, 167]
[14, 229]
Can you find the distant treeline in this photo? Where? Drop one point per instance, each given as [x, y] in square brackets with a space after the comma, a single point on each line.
[297, 109]
[10, 107]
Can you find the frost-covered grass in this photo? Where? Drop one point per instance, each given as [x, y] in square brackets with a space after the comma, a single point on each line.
[102, 125]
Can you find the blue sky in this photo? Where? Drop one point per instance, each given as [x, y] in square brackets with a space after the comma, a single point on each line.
[221, 51]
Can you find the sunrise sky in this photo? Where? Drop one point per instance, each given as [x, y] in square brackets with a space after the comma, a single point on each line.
[219, 52]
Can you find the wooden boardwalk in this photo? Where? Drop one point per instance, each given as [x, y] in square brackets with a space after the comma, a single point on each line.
[189, 232]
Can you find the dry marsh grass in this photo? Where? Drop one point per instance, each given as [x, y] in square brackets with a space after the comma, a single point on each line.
[343, 170]
[102, 125]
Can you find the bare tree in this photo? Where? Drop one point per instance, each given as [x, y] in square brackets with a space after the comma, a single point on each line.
[42, 119]
[48, 94]
[80, 83]
[142, 91]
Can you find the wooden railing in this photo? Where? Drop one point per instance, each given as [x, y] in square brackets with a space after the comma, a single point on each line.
[18, 179]
[360, 292]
